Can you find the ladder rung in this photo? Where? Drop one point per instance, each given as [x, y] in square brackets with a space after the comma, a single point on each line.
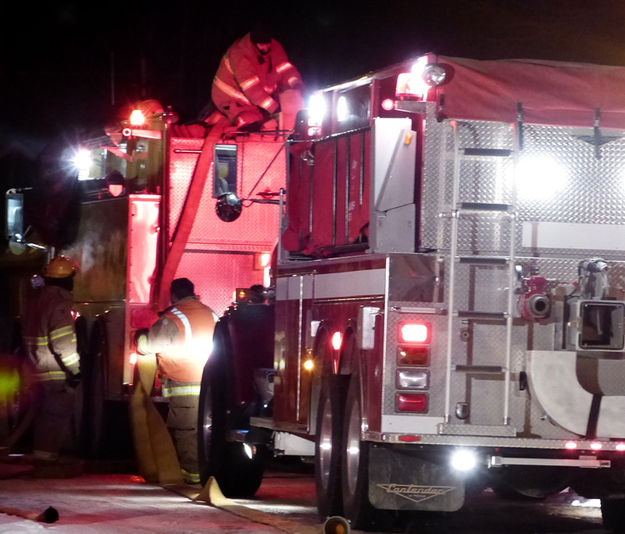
[483, 260]
[480, 369]
[484, 206]
[488, 152]
[481, 315]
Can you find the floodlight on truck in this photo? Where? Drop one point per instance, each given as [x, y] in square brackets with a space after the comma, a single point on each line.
[317, 109]
[137, 118]
[82, 162]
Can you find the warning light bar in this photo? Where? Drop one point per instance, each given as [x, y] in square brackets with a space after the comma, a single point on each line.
[416, 84]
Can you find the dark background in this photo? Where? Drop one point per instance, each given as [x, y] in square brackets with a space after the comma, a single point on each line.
[68, 67]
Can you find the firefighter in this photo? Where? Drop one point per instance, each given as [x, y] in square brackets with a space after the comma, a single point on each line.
[182, 340]
[251, 76]
[49, 337]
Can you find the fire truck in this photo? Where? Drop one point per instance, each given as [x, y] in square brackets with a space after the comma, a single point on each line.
[447, 309]
[149, 191]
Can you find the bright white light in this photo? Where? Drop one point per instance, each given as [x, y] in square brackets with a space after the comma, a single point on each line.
[248, 450]
[342, 109]
[540, 178]
[463, 460]
[586, 503]
[137, 118]
[316, 109]
[82, 162]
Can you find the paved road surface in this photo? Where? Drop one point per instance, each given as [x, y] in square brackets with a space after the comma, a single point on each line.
[123, 503]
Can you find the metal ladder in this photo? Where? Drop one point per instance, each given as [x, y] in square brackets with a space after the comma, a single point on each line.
[507, 214]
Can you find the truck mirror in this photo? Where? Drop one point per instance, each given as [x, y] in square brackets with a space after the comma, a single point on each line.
[228, 207]
[14, 221]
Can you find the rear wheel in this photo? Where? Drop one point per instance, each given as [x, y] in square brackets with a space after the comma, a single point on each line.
[355, 466]
[238, 467]
[328, 446]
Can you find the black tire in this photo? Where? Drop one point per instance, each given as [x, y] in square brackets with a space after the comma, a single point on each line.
[237, 467]
[355, 467]
[328, 446]
[613, 514]
[93, 364]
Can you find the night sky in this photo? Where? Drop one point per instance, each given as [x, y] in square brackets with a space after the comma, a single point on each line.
[67, 67]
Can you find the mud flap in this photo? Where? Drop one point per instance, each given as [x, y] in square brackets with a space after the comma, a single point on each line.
[400, 481]
[156, 455]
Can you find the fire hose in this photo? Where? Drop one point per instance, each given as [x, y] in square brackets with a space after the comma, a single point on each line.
[49, 515]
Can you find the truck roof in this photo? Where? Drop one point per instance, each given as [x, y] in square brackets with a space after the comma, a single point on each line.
[550, 92]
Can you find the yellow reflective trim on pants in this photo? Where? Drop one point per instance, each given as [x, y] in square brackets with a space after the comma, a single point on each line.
[40, 341]
[46, 376]
[193, 478]
[71, 359]
[179, 391]
[61, 332]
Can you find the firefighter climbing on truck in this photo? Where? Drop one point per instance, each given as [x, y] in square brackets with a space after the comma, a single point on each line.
[252, 75]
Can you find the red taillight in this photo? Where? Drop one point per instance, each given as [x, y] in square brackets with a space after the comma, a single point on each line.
[126, 132]
[409, 438]
[596, 446]
[570, 445]
[412, 402]
[620, 447]
[337, 340]
[414, 332]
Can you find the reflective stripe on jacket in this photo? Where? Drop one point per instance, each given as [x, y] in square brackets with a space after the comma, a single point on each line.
[182, 339]
[250, 78]
[49, 334]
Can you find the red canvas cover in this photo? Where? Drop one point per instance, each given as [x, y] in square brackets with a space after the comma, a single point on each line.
[553, 93]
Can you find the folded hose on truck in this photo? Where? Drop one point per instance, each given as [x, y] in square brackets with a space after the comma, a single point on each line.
[154, 448]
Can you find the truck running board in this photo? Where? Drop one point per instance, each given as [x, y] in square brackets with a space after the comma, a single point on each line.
[504, 431]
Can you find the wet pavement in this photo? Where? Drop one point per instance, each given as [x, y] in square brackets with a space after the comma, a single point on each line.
[124, 503]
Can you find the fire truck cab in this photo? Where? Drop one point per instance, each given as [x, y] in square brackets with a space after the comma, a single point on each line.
[447, 308]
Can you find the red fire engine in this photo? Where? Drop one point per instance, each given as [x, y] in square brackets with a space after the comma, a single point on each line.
[147, 214]
[447, 305]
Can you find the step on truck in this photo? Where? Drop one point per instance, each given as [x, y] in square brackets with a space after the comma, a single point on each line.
[447, 305]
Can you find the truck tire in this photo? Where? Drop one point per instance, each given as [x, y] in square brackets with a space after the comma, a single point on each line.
[355, 467]
[328, 446]
[237, 468]
[613, 514]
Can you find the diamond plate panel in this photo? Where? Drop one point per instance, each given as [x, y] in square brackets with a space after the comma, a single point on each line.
[214, 283]
[257, 227]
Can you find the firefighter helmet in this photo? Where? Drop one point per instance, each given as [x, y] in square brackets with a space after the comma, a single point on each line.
[61, 267]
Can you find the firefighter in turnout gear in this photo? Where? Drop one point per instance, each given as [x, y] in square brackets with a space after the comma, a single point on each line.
[49, 337]
[182, 340]
[251, 76]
